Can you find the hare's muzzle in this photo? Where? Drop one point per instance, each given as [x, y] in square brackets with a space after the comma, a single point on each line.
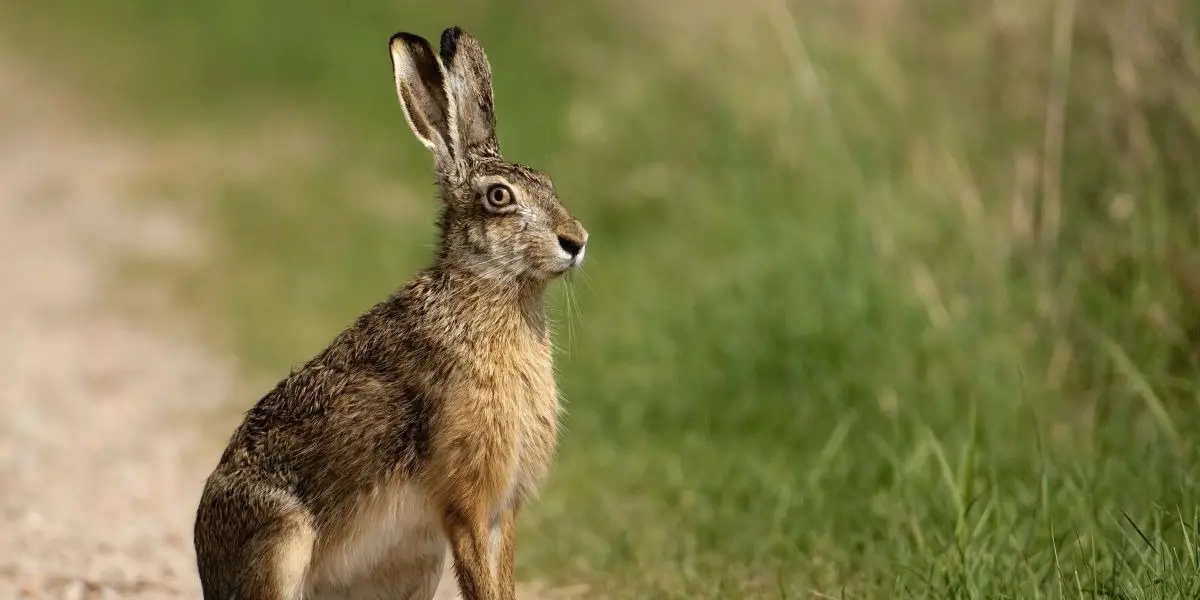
[573, 241]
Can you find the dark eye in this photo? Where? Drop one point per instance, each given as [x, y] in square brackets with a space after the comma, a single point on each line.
[499, 196]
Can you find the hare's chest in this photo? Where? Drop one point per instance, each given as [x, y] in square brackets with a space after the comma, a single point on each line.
[537, 439]
[499, 425]
[534, 427]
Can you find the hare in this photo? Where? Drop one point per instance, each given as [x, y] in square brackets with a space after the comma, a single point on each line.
[433, 418]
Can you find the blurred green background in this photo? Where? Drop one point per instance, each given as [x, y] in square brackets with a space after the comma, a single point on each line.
[884, 299]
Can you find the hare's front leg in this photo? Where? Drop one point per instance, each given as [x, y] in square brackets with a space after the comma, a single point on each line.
[467, 504]
[470, 539]
[506, 554]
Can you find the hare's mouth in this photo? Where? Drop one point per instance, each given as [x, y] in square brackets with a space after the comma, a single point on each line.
[578, 258]
[566, 263]
[567, 260]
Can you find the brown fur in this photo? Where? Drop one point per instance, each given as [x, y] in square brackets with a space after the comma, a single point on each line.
[433, 418]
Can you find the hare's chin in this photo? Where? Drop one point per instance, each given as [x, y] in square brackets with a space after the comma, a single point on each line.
[561, 267]
[567, 262]
[570, 261]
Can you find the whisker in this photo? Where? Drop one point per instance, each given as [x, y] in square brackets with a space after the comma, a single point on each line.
[587, 279]
[570, 318]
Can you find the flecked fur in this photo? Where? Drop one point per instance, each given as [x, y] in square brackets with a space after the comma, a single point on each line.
[434, 417]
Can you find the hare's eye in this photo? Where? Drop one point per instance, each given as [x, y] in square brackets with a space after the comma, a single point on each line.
[499, 196]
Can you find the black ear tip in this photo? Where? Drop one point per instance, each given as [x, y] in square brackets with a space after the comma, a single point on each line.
[450, 43]
[398, 36]
[408, 39]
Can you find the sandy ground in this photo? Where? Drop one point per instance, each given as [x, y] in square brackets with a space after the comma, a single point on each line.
[101, 461]
[97, 478]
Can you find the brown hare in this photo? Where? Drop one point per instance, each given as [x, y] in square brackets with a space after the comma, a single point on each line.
[427, 423]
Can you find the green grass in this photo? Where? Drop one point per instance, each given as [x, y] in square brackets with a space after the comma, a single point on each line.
[827, 343]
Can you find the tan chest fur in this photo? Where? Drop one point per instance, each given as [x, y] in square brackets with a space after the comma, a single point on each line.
[527, 399]
[499, 424]
[537, 419]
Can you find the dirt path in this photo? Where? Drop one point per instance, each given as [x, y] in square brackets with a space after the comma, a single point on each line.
[97, 489]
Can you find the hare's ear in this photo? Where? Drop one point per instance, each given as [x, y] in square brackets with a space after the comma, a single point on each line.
[421, 85]
[469, 87]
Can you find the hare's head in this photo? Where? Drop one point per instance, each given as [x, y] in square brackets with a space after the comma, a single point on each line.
[500, 220]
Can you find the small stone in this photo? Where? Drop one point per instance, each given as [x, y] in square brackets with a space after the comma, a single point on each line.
[29, 588]
[74, 591]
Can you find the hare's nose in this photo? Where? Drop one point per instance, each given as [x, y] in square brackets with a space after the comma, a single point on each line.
[571, 244]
